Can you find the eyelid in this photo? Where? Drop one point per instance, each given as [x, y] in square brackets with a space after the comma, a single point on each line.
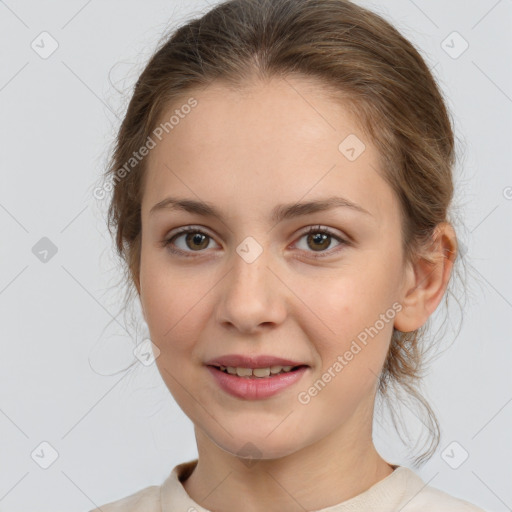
[188, 228]
[166, 242]
[318, 228]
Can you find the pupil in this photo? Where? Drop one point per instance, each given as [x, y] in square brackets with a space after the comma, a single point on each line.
[196, 239]
[318, 239]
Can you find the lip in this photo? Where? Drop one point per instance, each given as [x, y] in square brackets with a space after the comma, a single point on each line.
[261, 361]
[255, 388]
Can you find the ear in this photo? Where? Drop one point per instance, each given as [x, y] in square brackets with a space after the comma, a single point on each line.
[426, 280]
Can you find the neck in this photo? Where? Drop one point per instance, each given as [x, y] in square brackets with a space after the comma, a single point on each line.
[320, 475]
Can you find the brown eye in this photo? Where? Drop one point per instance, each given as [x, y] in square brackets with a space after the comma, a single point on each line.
[319, 239]
[194, 240]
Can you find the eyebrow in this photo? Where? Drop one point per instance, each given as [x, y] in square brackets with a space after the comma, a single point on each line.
[279, 212]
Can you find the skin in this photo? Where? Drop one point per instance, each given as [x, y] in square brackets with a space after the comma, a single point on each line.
[246, 151]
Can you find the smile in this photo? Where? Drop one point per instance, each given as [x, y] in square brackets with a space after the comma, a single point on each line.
[257, 383]
[257, 372]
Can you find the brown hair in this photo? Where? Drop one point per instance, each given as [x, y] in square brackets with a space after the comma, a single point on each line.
[354, 54]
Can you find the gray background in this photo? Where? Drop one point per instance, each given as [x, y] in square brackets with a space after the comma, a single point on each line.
[63, 340]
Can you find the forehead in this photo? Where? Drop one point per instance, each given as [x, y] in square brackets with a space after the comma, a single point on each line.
[276, 140]
[259, 110]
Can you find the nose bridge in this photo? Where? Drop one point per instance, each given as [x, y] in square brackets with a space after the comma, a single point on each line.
[250, 295]
[250, 274]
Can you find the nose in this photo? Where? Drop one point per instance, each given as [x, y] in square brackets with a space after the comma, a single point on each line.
[252, 297]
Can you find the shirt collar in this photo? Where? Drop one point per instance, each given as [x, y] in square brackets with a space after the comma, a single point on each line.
[386, 494]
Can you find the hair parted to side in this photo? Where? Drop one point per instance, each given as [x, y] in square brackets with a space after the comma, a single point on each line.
[352, 53]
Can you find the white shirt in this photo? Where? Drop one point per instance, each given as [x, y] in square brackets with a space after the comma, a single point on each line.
[401, 491]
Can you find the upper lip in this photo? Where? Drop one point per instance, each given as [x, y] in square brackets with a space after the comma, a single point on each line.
[261, 361]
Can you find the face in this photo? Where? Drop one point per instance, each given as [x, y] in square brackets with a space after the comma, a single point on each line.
[251, 283]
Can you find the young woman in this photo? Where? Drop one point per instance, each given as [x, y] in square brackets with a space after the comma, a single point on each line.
[282, 181]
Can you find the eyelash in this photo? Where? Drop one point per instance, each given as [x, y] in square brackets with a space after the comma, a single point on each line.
[312, 230]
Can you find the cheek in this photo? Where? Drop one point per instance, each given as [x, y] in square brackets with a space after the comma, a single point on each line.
[174, 305]
[347, 303]
[162, 297]
[354, 322]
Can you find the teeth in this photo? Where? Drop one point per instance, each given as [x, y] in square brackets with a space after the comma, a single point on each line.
[257, 372]
[261, 372]
[243, 372]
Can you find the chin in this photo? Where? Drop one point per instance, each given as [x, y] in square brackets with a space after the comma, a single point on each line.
[258, 445]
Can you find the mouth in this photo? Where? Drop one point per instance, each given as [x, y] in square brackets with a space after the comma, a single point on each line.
[268, 372]
[257, 383]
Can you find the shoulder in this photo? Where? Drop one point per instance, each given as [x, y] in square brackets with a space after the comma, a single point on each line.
[425, 498]
[156, 497]
[145, 500]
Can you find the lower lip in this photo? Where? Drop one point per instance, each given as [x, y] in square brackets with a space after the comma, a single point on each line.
[256, 388]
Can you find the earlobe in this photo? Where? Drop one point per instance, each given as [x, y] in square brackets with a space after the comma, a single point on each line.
[426, 280]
